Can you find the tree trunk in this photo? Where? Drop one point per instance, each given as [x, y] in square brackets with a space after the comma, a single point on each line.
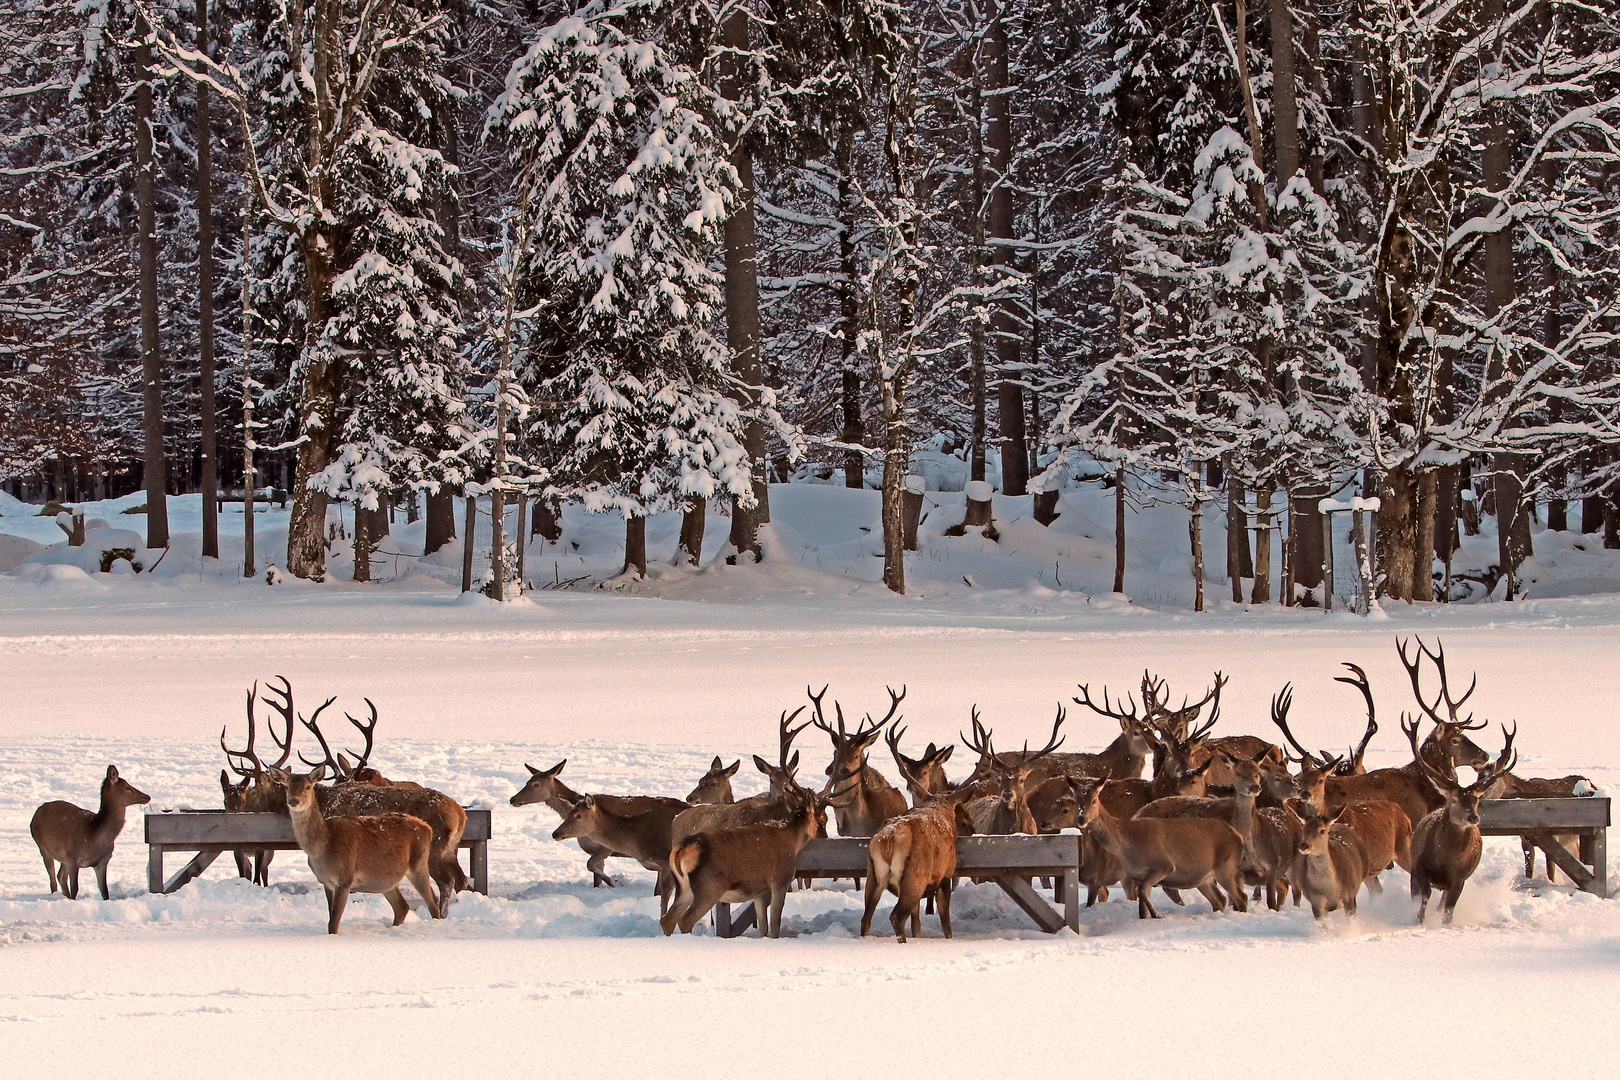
[1004, 323]
[690, 550]
[635, 545]
[742, 299]
[248, 472]
[157, 487]
[1398, 532]
[467, 544]
[441, 519]
[547, 520]
[364, 541]
[854, 432]
[1119, 529]
[1261, 592]
[497, 544]
[895, 468]
[978, 385]
[1552, 334]
[205, 304]
[1305, 535]
[318, 422]
[1423, 557]
[1238, 563]
[849, 312]
[1284, 96]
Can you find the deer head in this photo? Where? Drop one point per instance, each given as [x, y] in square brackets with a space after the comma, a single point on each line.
[924, 777]
[715, 786]
[1462, 803]
[850, 747]
[542, 785]
[1448, 745]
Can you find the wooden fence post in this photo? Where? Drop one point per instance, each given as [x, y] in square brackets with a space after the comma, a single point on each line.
[467, 544]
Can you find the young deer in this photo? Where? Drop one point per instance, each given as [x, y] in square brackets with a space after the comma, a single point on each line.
[752, 863]
[715, 786]
[756, 809]
[1192, 853]
[74, 837]
[644, 835]
[1446, 844]
[1328, 864]
[1384, 833]
[545, 786]
[235, 798]
[370, 854]
[914, 857]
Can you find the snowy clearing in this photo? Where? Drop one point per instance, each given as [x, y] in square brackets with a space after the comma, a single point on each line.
[638, 692]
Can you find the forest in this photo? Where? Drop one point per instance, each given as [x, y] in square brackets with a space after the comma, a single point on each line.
[655, 255]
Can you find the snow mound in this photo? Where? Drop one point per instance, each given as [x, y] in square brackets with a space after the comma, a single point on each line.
[14, 549]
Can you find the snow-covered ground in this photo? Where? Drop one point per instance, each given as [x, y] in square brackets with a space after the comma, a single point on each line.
[638, 687]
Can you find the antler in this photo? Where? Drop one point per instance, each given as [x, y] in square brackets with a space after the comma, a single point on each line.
[285, 708]
[231, 756]
[1414, 667]
[785, 735]
[980, 742]
[819, 718]
[1360, 682]
[1107, 708]
[1281, 702]
[1442, 780]
[1026, 757]
[894, 703]
[1504, 761]
[313, 723]
[366, 731]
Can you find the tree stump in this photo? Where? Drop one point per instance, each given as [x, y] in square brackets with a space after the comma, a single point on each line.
[912, 503]
[978, 503]
[1046, 510]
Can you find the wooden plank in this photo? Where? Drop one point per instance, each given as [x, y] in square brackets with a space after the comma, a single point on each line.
[1580, 875]
[1071, 899]
[192, 869]
[232, 830]
[479, 864]
[1033, 903]
[1600, 863]
[984, 855]
[1508, 817]
[154, 869]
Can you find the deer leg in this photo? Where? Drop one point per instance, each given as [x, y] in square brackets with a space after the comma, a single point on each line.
[703, 900]
[244, 868]
[945, 906]
[421, 882]
[396, 900]
[1530, 859]
[336, 900]
[1450, 905]
[1374, 886]
[1217, 902]
[916, 920]
[70, 880]
[50, 870]
[1175, 897]
[874, 893]
[1144, 905]
[906, 906]
[101, 876]
[1234, 889]
[778, 899]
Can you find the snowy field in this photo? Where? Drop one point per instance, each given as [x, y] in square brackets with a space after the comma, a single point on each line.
[638, 688]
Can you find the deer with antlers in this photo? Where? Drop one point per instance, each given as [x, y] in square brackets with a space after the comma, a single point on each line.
[1008, 810]
[859, 795]
[258, 792]
[370, 853]
[770, 805]
[745, 863]
[1446, 844]
[70, 837]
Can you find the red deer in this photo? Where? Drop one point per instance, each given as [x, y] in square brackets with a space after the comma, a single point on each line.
[1509, 786]
[921, 775]
[75, 837]
[862, 799]
[914, 857]
[1192, 853]
[748, 863]
[1008, 811]
[235, 796]
[1355, 764]
[263, 795]
[715, 785]
[643, 836]
[351, 798]
[371, 853]
[1328, 865]
[544, 786]
[1122, 759]
[1446, 844]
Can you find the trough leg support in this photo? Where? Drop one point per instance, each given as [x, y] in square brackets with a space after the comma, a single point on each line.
[154, 868]
[1033, 903]
[478, 857]
[1581, 875]
[190, 871]
[1600, 862]
[1071, 898]
[745, 919]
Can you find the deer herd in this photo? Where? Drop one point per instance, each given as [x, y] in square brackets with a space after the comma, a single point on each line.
[1233, 817]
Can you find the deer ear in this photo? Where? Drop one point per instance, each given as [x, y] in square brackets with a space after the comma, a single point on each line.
[589, 802]
[557, 768]
[532, 770]
[734, 766]
[793, 762]
[762, 765]
[1261, 756]
[224, 778]
[944, 755]
[716, 765]
[112, 772]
